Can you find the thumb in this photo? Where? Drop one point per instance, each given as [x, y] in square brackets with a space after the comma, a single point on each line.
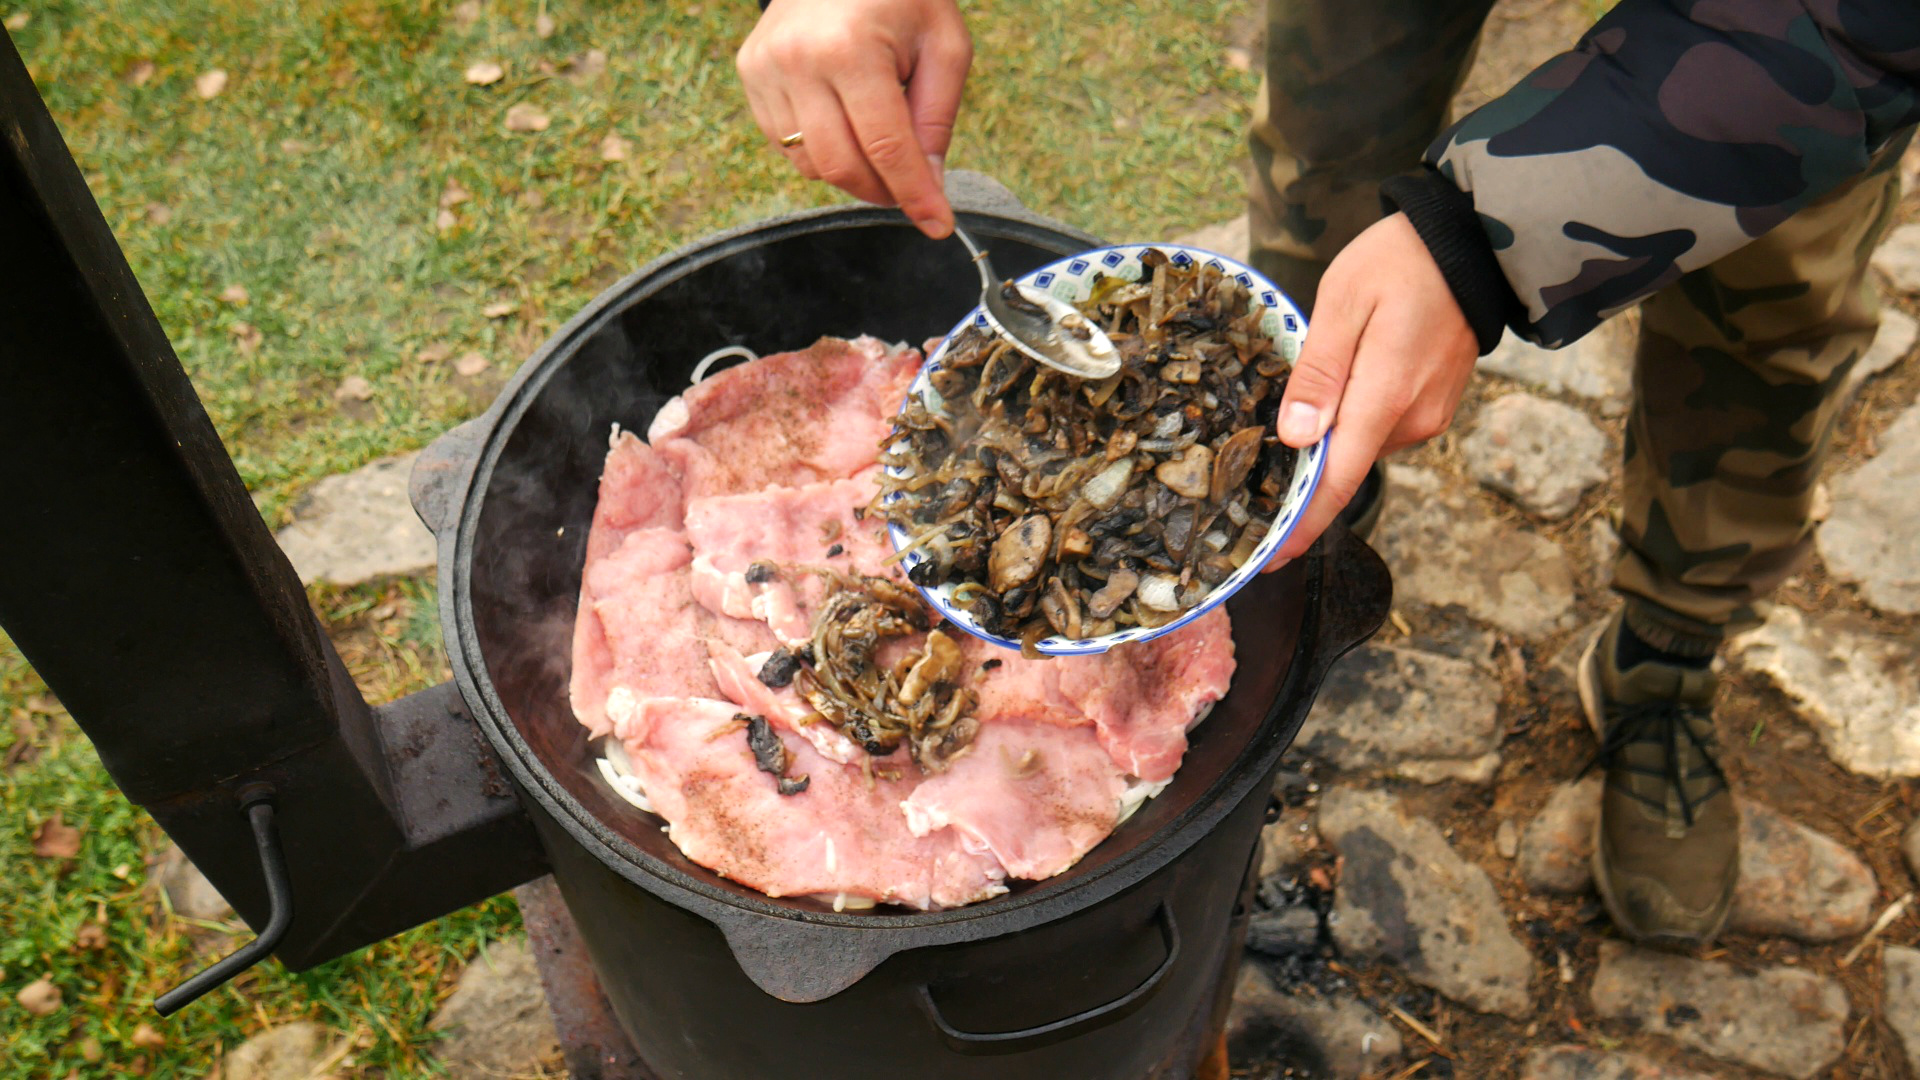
[1319, 376]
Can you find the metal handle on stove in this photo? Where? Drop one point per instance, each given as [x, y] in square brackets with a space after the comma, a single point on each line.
[257, 802]
[1000, 1042]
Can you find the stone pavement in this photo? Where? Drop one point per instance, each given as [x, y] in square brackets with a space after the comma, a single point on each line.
[1433, 879]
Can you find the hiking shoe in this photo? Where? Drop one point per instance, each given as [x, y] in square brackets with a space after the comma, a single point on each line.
[1667, 846]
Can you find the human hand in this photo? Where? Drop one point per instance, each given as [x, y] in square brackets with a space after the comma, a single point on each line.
[832, 71]
[1386, 360]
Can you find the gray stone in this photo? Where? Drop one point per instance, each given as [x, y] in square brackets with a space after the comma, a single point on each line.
[1898, 258]
[1869, 536]
[188, 891]
[1598, 367]
[1318, 1036]
[1798, 883]
[1603, 546]
[1900, 998]
[496, 1021]
[1405, 896]
[1506, 839]
[1385, 708]
[1445, 548]
[1286, 932]
[1780, 1019]
[1556, 851]
[1860, 691]
[1571, 1062]
[1229, 238]
[1894, 340]
[1794, 882]
[1286, 843]
[358, 526]
[293, 1051]
[1541, 454]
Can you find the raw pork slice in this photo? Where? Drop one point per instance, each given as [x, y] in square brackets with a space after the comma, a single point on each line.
[843, 834]
[790, 419]
[817, 525]
[739, 682]
[638, 491]
[1036, 795]
[1141, 698]
[653, 632]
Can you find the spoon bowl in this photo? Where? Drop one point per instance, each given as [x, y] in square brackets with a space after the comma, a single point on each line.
[1044, 327]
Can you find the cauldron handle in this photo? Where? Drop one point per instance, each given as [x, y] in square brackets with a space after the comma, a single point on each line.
[441, 470]
[1006, 1042]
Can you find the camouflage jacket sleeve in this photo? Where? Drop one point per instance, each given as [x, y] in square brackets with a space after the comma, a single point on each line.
[1675, 132]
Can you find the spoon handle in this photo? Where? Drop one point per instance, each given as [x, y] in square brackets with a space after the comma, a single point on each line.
[987, 280]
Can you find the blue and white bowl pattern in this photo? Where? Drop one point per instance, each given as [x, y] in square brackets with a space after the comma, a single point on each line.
[1072, 279]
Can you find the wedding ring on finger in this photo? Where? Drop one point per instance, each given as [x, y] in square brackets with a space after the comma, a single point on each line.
[792, 140]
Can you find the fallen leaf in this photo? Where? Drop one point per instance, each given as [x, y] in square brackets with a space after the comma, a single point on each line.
[500, 310]
[55, 839]
[587, 66]
[90, 936]
[39, 997]
[1239, 59]
[26, 741]
[485, 73]
[453, 195]
[45, 705]
[615, 148]
[234, 294]
[355, 387]
[524, 117]
[434, 353]
[467, 12]
[141, 73]
[19, 20]
[158, 213]
[543, 25]
[293, 147]
[383, 612]
[122, 871]
[90, 1050]
[246, 335]
[146, 1038]
[209, 85]
[445, 221]
[471, 364]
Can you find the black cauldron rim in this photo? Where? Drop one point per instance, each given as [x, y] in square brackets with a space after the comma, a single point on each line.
[450, 485]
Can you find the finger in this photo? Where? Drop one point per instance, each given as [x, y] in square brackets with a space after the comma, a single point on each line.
[933, 93]
[831, 145]
[878, 112]
[774, 116]
[1367, 416]
[1319, 377]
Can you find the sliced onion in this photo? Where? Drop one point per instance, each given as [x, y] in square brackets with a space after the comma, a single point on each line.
[1107, 485]
[1161, 592]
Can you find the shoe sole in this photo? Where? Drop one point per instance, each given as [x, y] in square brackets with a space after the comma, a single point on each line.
[1587, 681]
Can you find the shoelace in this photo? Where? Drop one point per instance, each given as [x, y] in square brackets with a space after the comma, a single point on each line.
[1662, 723]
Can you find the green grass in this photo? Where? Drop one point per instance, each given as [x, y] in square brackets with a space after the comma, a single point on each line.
[314, 182]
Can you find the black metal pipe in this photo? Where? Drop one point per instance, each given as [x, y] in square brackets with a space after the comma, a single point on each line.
[273, 868]
[140, 581]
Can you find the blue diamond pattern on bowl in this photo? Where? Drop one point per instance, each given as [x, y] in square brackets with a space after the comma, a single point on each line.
[1072, 279]
[1245, 280]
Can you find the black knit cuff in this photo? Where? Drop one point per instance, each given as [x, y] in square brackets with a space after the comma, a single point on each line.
[1444, 217]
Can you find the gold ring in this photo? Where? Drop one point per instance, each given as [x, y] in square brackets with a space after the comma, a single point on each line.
[792, 140]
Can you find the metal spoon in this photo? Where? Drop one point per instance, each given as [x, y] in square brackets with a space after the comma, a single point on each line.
[1044, 327]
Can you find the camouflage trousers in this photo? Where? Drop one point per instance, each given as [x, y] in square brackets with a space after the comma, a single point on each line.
[1739, 366]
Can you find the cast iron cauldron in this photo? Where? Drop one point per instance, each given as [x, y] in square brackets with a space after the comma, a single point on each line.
[1114, 969]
